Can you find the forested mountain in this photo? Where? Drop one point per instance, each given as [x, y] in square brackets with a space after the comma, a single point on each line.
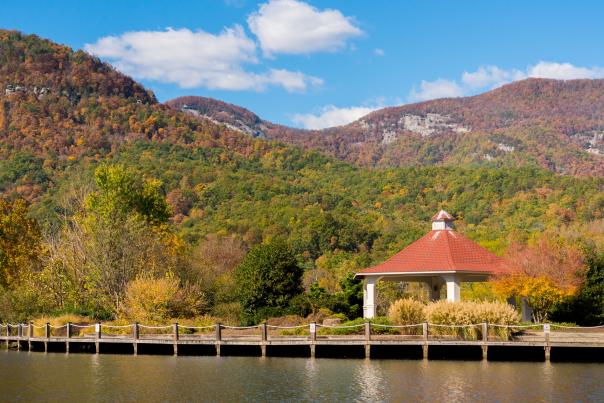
[557, 125]
[63, 112]
[59, 108]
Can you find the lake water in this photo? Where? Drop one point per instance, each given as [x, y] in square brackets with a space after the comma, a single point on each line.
[122, 378]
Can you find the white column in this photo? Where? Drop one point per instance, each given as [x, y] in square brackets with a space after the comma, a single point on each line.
[369, 297]
[453, 287]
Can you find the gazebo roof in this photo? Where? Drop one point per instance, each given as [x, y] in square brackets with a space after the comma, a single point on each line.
[440, 250]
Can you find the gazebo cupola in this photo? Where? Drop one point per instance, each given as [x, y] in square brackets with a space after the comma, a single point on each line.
[442, 220]
[441, 257]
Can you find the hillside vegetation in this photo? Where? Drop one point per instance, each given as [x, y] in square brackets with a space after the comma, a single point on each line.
[125, 195]
[555, 125]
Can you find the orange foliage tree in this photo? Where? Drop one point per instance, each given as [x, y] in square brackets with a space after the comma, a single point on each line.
[546, 273]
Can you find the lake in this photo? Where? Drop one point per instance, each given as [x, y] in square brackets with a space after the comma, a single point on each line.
[125, 378]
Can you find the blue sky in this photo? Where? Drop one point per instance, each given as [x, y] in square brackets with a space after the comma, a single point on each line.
[321, 63]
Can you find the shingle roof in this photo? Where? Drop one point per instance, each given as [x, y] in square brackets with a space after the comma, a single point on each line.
[441, 250]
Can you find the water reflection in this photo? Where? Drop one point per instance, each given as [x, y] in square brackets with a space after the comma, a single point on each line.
[110, 378]
[369, 379]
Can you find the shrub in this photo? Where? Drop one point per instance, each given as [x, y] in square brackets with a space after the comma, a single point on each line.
[407, 311]
[470, 313]
[148, 299]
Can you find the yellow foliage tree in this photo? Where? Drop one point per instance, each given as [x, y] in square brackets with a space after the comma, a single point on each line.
[541, 292]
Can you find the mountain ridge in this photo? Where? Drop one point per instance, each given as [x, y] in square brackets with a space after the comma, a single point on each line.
[554, 124]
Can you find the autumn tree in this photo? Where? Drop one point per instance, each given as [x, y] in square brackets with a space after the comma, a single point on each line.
[20, 242]
[546, 273]
[119, 234]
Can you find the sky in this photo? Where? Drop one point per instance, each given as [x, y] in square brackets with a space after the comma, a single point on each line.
[316, 64]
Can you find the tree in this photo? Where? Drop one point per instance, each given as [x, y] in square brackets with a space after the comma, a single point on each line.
[542, 294]
[267, 279]
[212, 265]
[119, 234]
[547, 273]
[20, 242]
[120, 193]
[589, 304]
[560, 262]
[351, 295]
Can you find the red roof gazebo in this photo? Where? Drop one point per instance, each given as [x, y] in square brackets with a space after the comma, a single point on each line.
[442, 256]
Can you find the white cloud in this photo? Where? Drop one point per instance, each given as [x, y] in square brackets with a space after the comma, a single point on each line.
[331, 115]
[292, 81]
[436, 89]
[295, 27]
[564, 71]
[195, 59]
[378, 52]
[490, 77]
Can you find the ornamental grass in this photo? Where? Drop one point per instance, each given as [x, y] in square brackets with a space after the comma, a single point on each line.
[407, 312]
[455, 319]
[465, 318]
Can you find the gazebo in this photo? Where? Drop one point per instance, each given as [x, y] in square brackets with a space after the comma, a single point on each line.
[441, 257]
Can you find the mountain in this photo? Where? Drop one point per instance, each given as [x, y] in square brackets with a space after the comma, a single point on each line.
[557, 125]
[62, 113]
[59, 108]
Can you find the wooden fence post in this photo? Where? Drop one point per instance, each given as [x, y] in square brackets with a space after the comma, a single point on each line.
[548, 349]
[68, 337]
[313, 338]
[98, 330]
[31, 334]
[176, 339]
[264, 337]
[485, 339]
[46, 336]
[135, 336]
[19, 334]
[425, 337]
[218, 338]
[367, 339]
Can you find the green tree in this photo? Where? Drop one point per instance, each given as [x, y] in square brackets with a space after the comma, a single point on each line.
[267, 279]
[589, 305]
[351, 295]
[121, 193]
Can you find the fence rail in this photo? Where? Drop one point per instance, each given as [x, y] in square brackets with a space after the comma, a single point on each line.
[367, 334]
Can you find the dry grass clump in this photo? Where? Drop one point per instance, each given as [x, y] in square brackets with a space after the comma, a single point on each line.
[456, 319]
[470, 313]
[407, 311]
[57, 321]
